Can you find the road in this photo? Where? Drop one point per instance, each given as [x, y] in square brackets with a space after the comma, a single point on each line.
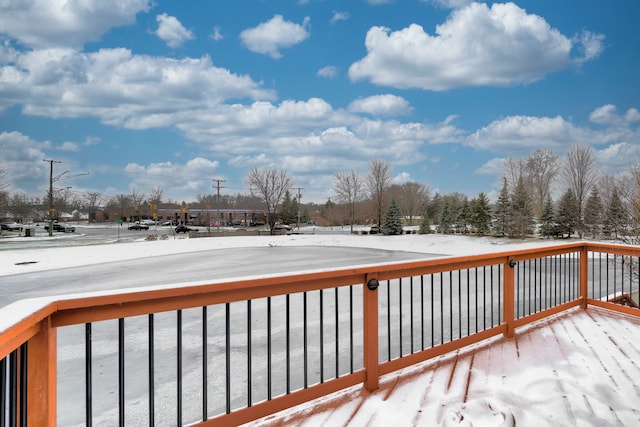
[186, 267]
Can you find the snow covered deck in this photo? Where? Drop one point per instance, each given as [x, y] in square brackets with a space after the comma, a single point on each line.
[580, 367]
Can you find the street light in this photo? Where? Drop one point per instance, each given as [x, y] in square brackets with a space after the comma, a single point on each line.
[53, 179]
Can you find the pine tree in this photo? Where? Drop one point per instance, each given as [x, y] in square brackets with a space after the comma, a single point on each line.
[481, 214]
[548, 227]
[464, 217]
[593, 214]
[445, 225]
[567, 216]
[288, 209]
[503, 212]
[425, 226]
[392, 220]
[616, 219]
[521, 211]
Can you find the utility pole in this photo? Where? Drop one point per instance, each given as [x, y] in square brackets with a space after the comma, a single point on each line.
[51, 162]
[299, 196]
[218, 182]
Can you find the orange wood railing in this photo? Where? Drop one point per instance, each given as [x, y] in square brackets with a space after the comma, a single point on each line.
[37, 321]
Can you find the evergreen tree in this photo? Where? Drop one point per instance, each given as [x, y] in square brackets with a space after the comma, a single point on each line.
[481, 214]
[567, 216]
[593, 214]
[548, 227]
[521, 211]
[305, 216]
[446, 221]
[425, 226]
[502, 214]
[616, 219]
[288, 209]
[392, 220]
[464, 217]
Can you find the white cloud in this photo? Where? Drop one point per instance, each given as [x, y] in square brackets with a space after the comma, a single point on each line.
[171, 31]
[339, 16]
[118, 87]
[69, 146]
[608, 115]
[402, 178]
[476, 46]
[615, 157]
[271, 36]
[381, 105]
[216, 34]
[22, 160]
[330, 71]
[494, 167]
[47, 23]
[526, 133]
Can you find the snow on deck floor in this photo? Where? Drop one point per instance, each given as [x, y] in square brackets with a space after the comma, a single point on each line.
[579, 368]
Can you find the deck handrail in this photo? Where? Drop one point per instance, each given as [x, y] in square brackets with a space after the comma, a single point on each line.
[32, 338]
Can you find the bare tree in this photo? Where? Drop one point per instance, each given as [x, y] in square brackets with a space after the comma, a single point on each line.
[515, 169]
[412, 199]
[378, 181]
[270, 184]
[542, 168]
[92, 202]
[155, 195]
[348, 188]
[580, 172]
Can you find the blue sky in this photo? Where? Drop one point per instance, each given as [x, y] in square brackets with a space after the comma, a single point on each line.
[144, 94]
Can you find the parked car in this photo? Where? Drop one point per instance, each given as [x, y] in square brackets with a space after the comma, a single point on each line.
[63, 228]
[181, 228]
[375, 229]
[137, 226]
[10, 226]
[282, 229]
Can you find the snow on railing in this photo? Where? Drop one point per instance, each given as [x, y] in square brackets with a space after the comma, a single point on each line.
[233, 351]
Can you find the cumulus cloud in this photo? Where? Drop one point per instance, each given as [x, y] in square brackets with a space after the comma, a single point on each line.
[330, 71]
[270, 37]
[46, 23]
[119, 88]
[22, 159]
[449, 4]
[526, 133]
[381, 105]
[478, 45]
[608, 115]
[171, 31]
[175, 177]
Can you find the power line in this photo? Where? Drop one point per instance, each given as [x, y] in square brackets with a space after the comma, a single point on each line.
[218, 182]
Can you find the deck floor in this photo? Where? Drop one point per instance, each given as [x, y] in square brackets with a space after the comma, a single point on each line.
[580, 368]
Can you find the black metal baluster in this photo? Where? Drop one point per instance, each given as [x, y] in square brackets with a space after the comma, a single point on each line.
[24, 350]
[227, 339]
[337, 319]
[484, 298]
[459, 304]
[321, 296]
[3, 392]
[476, 286]
[450, 305]
[269, 361]
[288, 342]
[535, 285]
[422, 311]
[87, 376]
[205, 368]
[13, 388]
[249, 376]
[305, 340]
[441, 309]
[607, 276]
[400, 315]
[121, 398]
[468, 301]
[151, 370]
[528, 267]
[179, 368]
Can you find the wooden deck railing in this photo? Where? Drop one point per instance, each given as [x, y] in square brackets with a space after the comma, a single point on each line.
[228, 352]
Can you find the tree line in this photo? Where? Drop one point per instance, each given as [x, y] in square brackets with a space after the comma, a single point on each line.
[590, 203]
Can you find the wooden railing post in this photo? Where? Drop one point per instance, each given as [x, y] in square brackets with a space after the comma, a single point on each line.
[509, 296]
[41, 376]
[370, 300]
[584, 276]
